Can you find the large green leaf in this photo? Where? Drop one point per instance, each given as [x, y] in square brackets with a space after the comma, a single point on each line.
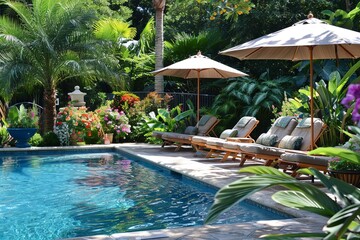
[299, 200]
[339, 224]
[245, 187]
[342, 191]
[343, 153]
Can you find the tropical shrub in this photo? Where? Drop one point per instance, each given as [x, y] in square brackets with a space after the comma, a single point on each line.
[250, 97]
[327, 105]
[287, 109]
[152, 102]
[50, 139]
[173, 120]
[5, 137]
[36, 140]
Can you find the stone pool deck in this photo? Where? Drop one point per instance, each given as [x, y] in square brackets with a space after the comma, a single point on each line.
[216, 173]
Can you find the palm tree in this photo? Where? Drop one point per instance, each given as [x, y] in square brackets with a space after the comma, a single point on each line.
[159, 6]
[50, 41]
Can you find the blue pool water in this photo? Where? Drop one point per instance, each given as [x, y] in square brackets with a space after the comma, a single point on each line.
[52, 197]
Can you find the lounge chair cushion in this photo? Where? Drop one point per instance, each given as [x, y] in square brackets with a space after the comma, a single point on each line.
[280, 132]
[243, 121]
[303, 158]
[171, 136]
[283, 122]
[305, 132]
[267, 139]
[158, 134]
[228, 133]
[191, 130]
[205, 123]
[305, 123]
[262, 150]
[291, 142]
[204, 119]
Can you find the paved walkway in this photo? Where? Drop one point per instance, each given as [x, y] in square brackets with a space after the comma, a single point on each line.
[213, 172]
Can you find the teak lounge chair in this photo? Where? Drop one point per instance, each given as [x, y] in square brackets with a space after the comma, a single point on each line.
[298, 141]
[203, 128]
[231, 148]
[240, 132]
[291, 162]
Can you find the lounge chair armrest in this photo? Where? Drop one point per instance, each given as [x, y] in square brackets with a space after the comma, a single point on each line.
[237, 139]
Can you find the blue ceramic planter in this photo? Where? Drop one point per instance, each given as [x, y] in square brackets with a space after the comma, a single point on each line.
[22, 136]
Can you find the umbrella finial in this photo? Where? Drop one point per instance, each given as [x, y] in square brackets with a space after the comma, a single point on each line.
[199, 53]
[310, 15]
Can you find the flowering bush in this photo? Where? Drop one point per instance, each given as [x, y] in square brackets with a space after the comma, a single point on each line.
[75, 123]
[124, 100]
[20, 117]
[353, 97]
[113, 121]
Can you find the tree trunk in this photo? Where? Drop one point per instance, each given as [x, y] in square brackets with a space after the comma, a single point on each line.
[49, 113]
[348, 5]
[159, 6]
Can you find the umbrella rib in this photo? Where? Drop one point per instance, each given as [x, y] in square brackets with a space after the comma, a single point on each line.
[295, 52]
[223, 76]
[342, 47]
[257, 49]
[187, 74]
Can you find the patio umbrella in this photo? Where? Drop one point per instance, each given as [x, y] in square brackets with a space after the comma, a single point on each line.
[308, 39]
[199, 66]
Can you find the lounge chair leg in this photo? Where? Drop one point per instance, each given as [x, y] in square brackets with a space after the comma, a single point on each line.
[225, 157]
[178, 147]
[242, 160]
[210, 153]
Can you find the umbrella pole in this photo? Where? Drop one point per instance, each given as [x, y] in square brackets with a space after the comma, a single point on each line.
[198, 97]
[311, 48]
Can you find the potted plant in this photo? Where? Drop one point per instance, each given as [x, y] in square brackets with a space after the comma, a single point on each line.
[22, 124]
[114, 123]
[345, 170]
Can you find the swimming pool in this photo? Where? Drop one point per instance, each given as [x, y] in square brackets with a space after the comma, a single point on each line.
[52, 196]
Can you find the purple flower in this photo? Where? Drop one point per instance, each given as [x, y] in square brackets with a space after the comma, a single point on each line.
[353, 97]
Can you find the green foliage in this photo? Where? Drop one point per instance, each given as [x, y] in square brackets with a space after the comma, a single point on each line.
[249, 97]
[341, 18]
[173, 120]
[230, 9]
[113, 30]
[342, 214]
[50, 139]
[56, 44]
[5, 137]
[36, 140]
[20, 117]
[327, 105]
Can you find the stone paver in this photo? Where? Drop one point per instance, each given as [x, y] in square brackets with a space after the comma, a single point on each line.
[213, 172]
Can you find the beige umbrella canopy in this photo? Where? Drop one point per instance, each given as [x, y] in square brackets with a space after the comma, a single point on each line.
[308, 39]
[199, 66]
